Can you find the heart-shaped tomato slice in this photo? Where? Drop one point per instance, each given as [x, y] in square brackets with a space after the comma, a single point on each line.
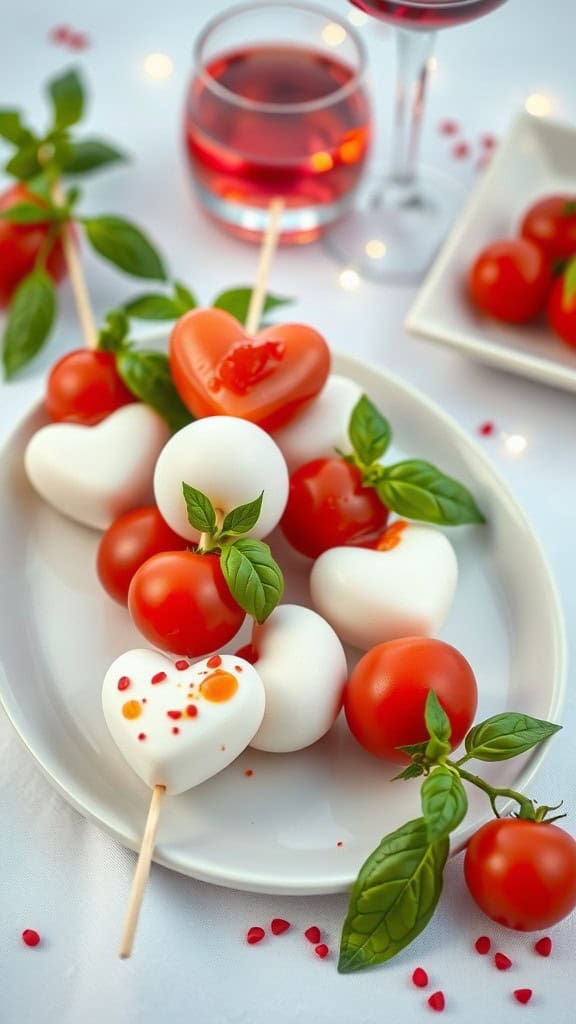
[220, 370]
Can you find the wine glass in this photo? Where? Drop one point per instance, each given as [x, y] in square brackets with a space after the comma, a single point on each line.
[401, 220]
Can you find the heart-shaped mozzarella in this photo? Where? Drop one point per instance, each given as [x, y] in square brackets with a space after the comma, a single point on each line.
[302, 665]
[322, 427]
[176, 723]
[94, 474]
[230, 460]
[405, 589]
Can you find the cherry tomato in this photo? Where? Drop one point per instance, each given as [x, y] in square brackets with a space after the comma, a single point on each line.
[510, 280]
[522, 874]
[84, 387]
[551, 224]
[180, 602]
[386, 694]
[562, 313]
[328, 506]
[131, 540]
[21, 243]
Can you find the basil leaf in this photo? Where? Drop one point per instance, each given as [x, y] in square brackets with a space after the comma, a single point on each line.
[114, 332]
[26, 213]
[90, 155]
[418, 490]
[124, 245]
[437, 721]
[30, 318]
[369, 431]
[243, 518]
[147, 375]
[444, 803]
[414, 748]
[24, 164]
[393, 898]
[200, 510]
[67, 95]
[411, 771]
[569, 283]
[153, 307]
[504, 736]
[184, 297]
[253, 577]
[12, 129]
[237, 300]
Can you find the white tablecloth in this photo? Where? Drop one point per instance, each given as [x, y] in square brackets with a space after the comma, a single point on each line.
[63, 876]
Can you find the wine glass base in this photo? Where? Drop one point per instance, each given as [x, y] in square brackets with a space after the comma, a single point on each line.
[392, 236]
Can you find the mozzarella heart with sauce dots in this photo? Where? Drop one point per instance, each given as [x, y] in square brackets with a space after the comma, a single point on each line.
[94, 474]
[177, 723]
[231, 461]
[322, 427]
[403, 588]
[303, 668]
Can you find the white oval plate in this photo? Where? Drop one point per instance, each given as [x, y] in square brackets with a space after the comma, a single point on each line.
[302, 823]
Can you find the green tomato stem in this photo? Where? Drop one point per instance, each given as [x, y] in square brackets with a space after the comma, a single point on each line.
[493, 792]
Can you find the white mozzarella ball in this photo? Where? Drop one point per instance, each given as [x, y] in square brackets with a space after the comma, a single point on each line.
[323, 425]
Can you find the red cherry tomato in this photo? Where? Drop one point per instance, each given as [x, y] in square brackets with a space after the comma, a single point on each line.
[20, 244]
[551, 224]
[510, 280]
[522, 874]
[84, 387]
[386, 694]
[180, 602]
[562, 313]
[131, 540]
[328, 506]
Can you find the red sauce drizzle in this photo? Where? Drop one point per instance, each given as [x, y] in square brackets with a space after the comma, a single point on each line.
[215, 661]
[246, 364]
[174, 714]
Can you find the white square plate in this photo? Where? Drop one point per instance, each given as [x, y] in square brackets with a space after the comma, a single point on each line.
[537, 157]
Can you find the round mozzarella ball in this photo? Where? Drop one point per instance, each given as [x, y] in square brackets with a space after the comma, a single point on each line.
[322, 426]
[231, 461]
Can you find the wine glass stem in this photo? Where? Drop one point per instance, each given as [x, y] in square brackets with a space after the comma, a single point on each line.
[414, 50]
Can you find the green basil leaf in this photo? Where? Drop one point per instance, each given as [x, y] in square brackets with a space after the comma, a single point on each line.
[236, 301]
[124, 245]
[24, 164]
[89, 155]
[414, 748]
[153, 307]
[504, 736]
[444, 803]
[200, 510]
[184, 298]
[393, 898]
[30, 318]
[253, 577]
[243, 518]
[369, 431]
[411, 771]
[569, 283]
[115, 331]
[437, 721]
[67, 95]
[12, 128]
[26, 213]
[147, 375]
[418, 490]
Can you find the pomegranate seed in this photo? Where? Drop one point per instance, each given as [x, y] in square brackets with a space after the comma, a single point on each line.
[420, 978]
[460, 151]
[502, 962]
[488, 141]
[544, 946]
[437, 1001]
[278, 926]
[313, 934]
[181, 665]
[523, 995]
[486, 429]
[30, 937]
[482, 945]
[158, 678]
[448, 127]
[321, 950]
[254, 935]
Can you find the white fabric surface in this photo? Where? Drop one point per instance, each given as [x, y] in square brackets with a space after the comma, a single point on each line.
[63, 876]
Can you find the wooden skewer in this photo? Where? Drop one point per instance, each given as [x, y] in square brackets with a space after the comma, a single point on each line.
[77, 280]
[268, 247]
[141, 874]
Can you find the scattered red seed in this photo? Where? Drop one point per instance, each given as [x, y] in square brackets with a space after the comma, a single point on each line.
[181, 666]
[174, 714]
[77, 41]
[339, 843]
[502, 962]
[488, 141]
[238, 668]
[215, 661]
[321, 950]
[487, 428]
[523, 995]
[60, 34]
[544, 946]
[175, 730]
[141, 736]
[437, 1001]
[419, 978]
[278, 926]
[30, 937]
[254, 935]
[482, 945]
[158, 678]
[460, 150]
[123, 683]
[249, 772]
[448, 127]
[191, 711]
[313, 934]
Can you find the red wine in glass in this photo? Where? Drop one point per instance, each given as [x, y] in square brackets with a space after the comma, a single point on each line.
[269, 120]
[427, 15]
